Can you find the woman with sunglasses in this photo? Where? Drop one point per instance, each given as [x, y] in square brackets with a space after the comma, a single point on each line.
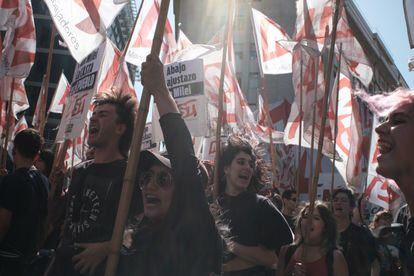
[257, 228]
[177, 234]
[314, 252]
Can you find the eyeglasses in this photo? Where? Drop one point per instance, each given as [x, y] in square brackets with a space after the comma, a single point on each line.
[162, 179]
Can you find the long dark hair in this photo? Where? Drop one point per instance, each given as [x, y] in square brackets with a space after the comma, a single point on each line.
[330, 231]
[234, 145]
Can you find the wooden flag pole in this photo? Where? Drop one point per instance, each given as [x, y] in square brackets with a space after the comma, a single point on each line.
[135, 150]
[338, 79]
[312, 195]
[315, 98]
[263, 91]
[273, 153]
[313, 190]
[58, 163]
[300, 123]
[221, 99]
[42, 116]
[8, 118]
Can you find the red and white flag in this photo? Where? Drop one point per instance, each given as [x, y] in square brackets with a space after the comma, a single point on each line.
[82, 23]
[183, 41]
[59, 98]
[380, 190]
[279, 113]
[273, 58]
[20, 125]
[112, 73]
[314, 18]
[19, 44]
[20, 101]
[141, 41]
[312, 68]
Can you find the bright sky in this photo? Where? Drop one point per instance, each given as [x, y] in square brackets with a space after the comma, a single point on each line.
[386, 17]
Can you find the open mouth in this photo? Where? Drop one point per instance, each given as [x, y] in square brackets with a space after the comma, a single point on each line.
[384, 147]
[93, 130]
[152, 200]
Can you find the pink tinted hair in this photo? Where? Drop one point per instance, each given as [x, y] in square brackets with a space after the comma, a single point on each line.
[383, 104]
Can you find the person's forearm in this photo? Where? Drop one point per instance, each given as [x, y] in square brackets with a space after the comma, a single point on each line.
[256, 254]
[165, 102]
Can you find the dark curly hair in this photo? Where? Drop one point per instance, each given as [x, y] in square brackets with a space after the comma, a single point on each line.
[234, 145]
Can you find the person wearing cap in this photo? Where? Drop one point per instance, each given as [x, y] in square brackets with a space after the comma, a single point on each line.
[177, 234]
[95, 188]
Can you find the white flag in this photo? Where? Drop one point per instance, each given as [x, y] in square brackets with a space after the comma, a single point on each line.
[274, 59]
[82, 23]
[62, 91]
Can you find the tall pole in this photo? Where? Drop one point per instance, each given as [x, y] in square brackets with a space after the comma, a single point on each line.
[42, 111]
[338, 79]
[273, 153]
[263, 91]
[315, 98]
[221, 99]
[313, 190]
[300, 123]
[324, 107]
[131, 169]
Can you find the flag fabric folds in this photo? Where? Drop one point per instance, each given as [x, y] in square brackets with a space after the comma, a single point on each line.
[82, 23]
[273, 58]
[19, 44]
[59, 98]
[141, 40]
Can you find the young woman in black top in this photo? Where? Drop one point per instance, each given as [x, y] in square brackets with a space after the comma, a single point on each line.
[257, 229]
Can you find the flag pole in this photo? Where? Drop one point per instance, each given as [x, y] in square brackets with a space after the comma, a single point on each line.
[131, 169]
[338, 77]
[314, 117]
[313, 190]
[312, 195]
[300, 123]
[273, 153]
[58, 163]
[221, 99]
[263, 92]
[8, 118]
[42, 111]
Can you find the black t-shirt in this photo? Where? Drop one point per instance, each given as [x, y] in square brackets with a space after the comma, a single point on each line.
[253, 220]
[91, 211]
[359, 248]
[24, 193]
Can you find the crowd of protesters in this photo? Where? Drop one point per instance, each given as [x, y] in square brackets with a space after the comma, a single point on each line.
[55, 223]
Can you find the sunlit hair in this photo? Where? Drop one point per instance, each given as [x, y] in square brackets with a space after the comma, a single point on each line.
[329, 234]
[125, 106]
[234, 145]
[383, 104]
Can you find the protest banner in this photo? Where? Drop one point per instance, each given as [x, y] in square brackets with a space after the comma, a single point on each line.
[83, 87]
[185, 80]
